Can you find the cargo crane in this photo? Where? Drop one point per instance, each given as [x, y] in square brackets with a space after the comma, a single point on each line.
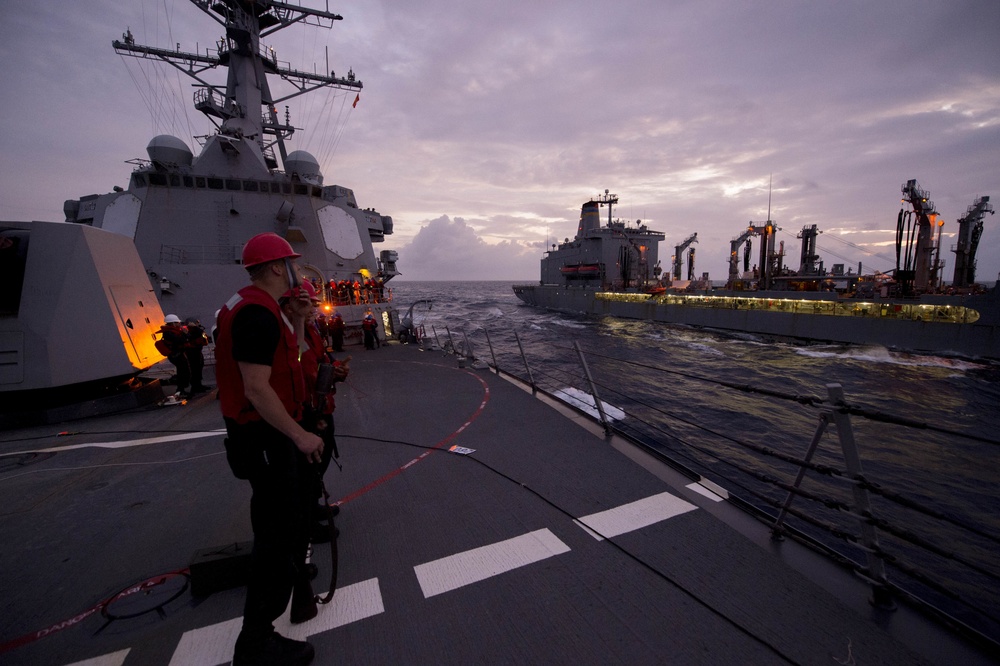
[915, 240]
[770, 261]
[734, 261]
[970, 229]
[679, 257]
[808, 258]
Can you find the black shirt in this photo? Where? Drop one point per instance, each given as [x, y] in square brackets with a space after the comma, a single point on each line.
[256, 334]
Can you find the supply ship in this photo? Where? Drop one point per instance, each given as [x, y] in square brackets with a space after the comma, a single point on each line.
[615, 270]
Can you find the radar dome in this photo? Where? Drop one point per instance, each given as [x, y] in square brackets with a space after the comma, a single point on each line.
[168, 149]
[302, 163]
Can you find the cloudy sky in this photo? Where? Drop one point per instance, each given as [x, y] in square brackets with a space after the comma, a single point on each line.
[483, 126]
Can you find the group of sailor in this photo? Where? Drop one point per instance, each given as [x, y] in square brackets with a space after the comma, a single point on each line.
[357, 292]
[182, 343]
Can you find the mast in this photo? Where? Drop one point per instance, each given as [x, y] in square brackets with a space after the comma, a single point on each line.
[610, 200]
[245, 107]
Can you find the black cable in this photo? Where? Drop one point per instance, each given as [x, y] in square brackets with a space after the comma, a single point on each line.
[609, 540]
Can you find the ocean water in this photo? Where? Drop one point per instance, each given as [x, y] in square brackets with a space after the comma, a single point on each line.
[934, 442]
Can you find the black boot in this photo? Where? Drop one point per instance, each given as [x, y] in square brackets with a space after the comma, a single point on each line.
[273, 650]
[303, 602]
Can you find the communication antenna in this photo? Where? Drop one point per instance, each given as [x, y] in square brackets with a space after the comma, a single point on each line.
[769, 176]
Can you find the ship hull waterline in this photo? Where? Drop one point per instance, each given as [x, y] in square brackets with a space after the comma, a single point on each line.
[966, 340]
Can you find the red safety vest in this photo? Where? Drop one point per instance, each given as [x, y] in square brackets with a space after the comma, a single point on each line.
[311, 358]
[286, 372]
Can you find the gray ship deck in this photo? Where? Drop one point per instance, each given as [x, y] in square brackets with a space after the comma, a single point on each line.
[444, 558]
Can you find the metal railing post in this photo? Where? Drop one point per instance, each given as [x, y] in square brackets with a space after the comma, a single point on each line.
[469, 353]
[593, 390]
[531, 380]
[450, 341]
[493, 355]
[824, 421]
[876, 566]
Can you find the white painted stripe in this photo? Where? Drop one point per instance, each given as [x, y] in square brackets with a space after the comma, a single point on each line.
[208, 646]
[213, 645]
[124, 444]
[113, 659]
[702, 490]
[350, 604]
[635, 515]
[455, 571]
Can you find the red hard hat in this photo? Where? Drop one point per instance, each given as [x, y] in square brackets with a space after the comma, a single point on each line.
[311, 290]
[263, 248]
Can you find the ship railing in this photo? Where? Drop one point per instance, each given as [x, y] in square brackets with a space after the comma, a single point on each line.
[812, 488]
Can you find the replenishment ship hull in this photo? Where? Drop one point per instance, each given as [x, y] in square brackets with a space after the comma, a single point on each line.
[917, 326]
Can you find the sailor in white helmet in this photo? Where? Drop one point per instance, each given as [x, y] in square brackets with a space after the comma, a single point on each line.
[173, 344]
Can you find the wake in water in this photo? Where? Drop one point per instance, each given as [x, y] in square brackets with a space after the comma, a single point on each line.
[879, 354]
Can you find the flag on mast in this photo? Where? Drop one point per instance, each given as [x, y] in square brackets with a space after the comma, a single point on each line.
[357, 98]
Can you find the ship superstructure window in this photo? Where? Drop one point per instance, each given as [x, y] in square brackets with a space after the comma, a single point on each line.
[199, 181]
[215, 184]
[188, 181]
[286, 188]
[139, 180]
[232, 184]
[250, 185]
[158, 179]
[301, 189]
[175, 180]
[276, 188]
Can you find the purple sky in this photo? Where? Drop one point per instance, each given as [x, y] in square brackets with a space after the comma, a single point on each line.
[484, 126]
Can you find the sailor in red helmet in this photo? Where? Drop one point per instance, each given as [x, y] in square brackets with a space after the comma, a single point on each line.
[261, 393]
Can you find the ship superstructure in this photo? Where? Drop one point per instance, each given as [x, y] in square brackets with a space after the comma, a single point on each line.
[612, 256]
[190, 216]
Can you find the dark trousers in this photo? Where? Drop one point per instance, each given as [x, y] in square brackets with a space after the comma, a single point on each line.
[180, 361]
[280, 511]
[196, 362]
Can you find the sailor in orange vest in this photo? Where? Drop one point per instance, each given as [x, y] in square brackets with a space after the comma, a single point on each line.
[261, 393]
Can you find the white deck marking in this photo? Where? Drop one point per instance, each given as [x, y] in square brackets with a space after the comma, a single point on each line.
[208, 646]
[113, 659]
[123, 444]
[350, 604]
[702, 490]
[635, 515]
[455, 571]
[213, 645]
